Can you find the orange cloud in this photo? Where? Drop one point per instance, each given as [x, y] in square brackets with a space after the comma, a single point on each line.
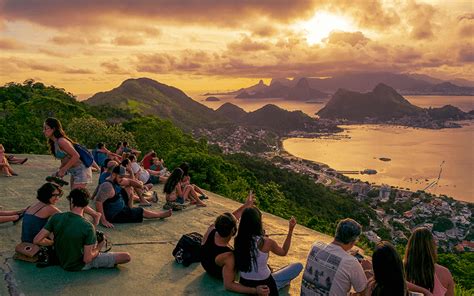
[8, 43]
[128, 40]
[367, 13]
[420, 16]
[466, 53]
[75, 39]
[91, 12]
[113, 68]
[352, 38]
[466, 26]
[247, 44]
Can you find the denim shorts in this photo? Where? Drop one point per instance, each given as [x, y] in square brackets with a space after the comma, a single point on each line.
[103, 260]
[80, 174]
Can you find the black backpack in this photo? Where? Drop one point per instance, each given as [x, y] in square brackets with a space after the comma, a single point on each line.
[188, 249]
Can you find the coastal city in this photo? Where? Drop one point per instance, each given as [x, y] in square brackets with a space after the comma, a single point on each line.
[398, 210]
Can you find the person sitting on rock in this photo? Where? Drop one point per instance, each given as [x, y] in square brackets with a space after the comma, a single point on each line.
[5, 167]
[147, 160]
[137, 188]
[124, 148]
[252, 249]
[113, 203]
[341, 273]
[158, 173]
[174, 193]
[36, 215]
[186, 181]
[101, 153]
[75, 240]
[217, 257]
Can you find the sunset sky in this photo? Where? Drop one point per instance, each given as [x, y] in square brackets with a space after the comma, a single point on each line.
[205, 45]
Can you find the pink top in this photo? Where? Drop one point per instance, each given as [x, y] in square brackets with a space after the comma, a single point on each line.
[438, 289]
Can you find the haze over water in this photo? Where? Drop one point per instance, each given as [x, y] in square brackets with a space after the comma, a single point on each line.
[416, 155]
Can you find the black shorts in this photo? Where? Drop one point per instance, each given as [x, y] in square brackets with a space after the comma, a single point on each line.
[128, 215]
[270, 282]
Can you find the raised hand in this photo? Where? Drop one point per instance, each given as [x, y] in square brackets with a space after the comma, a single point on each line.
[292, 223]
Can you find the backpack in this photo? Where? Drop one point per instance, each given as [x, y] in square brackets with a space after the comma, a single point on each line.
[84, 154]
[188, 249]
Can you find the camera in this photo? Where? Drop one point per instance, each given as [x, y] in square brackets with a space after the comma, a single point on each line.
[100, 236]
[56, 180]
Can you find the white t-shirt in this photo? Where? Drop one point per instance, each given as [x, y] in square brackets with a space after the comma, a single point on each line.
[142, 175]
[331, 271]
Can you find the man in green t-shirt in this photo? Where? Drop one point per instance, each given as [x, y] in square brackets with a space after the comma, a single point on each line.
[75, 239]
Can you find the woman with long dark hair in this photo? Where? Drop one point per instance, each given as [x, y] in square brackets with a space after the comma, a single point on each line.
[420, 264]
[252, 250]
[174, 192]
[61, 147]
[389, 276]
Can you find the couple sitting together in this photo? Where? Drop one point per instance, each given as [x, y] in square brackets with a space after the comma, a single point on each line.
[249, 255]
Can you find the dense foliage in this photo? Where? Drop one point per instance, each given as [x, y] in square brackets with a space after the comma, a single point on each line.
[23, 108]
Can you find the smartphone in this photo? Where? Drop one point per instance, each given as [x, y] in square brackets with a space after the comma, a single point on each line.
[358, 256]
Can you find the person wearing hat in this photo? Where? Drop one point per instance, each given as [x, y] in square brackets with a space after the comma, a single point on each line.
[75, 239]
[113, 203]
[217, 256]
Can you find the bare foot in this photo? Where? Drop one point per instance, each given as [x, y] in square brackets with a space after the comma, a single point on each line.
[166, 214]
[201, 204]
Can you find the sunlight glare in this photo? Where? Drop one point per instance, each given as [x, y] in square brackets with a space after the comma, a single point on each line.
[322, 24]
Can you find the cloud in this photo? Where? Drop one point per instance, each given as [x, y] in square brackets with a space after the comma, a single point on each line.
[8, 43]
[29, 64]
[420, 17]
[466, 25]
[111, 67]
[76, 71]
[247, 44]
[128, 40]
[75, 38]
[264, 30]
[352, 38]
[367, 13]
[93, 13]
[53, 53]
[466, 53]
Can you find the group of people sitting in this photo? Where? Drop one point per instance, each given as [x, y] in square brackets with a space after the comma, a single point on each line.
[330, 269]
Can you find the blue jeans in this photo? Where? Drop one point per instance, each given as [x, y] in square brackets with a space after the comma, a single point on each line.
[283, 276]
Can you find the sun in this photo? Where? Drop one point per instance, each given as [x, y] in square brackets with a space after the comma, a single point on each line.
[322, 24]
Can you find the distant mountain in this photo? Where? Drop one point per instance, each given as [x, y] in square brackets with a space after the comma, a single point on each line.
[231, 111]
[149, 97]
[301, 91]
[382, 103]
[273, 118]
[447, 112]
[212, 99]
[406, 84]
